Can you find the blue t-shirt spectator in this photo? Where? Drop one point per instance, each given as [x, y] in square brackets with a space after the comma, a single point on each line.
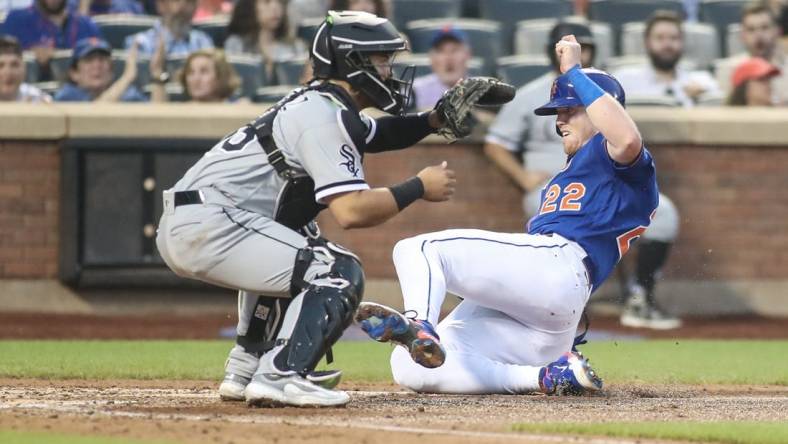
[33, 28]
[148, 40]
[73, 93]
[111, 6]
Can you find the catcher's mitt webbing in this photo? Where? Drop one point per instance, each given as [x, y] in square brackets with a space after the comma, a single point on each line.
[455, 105]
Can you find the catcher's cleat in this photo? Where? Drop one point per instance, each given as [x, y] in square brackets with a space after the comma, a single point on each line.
[271, 387]
[232, 387]
[571, 374]
[385, 324]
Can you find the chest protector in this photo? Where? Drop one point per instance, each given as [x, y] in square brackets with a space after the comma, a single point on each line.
[296, 205]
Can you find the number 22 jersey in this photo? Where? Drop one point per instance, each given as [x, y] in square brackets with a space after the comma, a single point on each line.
[601, 205]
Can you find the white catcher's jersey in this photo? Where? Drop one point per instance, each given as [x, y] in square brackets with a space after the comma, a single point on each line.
[310, 132]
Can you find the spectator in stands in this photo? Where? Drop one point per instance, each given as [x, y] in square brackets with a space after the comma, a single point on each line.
[449, 57]
[95, 7]
[663, 77]
[210, 8]
[175, 26]
[91, 75]
[760, 34]
[261, 27]
[752, 83]
[517, 131]
[12, 75]
[207, 77]
[378, 7]
[46, 26]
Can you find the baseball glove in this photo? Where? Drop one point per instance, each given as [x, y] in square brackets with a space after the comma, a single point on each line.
[455, 106]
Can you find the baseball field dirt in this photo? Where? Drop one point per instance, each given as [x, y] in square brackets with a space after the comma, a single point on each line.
[190, 412]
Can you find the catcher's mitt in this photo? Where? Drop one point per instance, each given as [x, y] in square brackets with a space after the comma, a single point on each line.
[455, 106]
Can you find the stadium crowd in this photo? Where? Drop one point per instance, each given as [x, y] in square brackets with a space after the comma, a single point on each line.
[665, 52]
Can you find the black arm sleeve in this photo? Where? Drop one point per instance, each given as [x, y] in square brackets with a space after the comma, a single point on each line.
[398, 132]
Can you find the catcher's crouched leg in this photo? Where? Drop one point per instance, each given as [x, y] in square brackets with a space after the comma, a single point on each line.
[313, 322]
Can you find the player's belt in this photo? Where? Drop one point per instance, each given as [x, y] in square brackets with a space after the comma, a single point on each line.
[191, 197]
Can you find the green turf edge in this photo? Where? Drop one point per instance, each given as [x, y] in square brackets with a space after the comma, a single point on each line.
[18, 437]
[727, 432]
[650, 362]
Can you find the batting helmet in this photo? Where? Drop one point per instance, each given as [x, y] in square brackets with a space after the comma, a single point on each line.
[341, 49]
[563, 95]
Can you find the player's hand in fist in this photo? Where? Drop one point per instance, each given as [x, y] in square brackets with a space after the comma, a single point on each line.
[439, 182]
[568, 52]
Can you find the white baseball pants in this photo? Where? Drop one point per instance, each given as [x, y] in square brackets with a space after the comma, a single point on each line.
[523, 296]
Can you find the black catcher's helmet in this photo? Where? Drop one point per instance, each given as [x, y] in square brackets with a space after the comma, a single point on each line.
[341, 49]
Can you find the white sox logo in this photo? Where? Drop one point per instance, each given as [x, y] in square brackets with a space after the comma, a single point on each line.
[347, 153]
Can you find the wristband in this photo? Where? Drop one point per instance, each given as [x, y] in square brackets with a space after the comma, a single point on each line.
[586, 89]
[407, 192]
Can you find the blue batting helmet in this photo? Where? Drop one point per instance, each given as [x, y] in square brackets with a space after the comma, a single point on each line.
[562, 94]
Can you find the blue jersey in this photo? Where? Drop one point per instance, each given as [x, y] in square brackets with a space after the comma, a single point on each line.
[599, 204]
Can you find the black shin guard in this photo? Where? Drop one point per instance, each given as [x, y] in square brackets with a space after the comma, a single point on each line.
[318, 316]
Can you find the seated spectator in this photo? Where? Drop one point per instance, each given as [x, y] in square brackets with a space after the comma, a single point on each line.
[210, 8]
[91, 75]
[663, 77]
[96, 7]
[207, 77]
[46, 26]
[752, 84]
[449, 57]
[12, 74]
[378, 7]
[760, 34]
[261, 27]
[175, 26]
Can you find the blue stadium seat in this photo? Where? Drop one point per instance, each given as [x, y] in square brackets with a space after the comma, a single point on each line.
[509, 12]
[115, 28]
[250, 71]
[733, 43]
[618, 12]
[521, 69]
[288, 72]
[722, 13]
[31, 67]
[216, 28]
[60, 65]
[404, 11]
[48, 87]
[271, 94]
[483, 36]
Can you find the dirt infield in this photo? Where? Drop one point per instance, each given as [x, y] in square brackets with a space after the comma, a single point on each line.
[191, 412]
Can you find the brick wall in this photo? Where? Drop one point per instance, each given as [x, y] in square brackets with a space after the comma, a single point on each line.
[733, 204]
[29, 187]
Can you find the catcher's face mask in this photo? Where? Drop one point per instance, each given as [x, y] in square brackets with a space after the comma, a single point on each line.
[374, 76]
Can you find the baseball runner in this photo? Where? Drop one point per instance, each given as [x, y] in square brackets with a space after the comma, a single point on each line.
[242, 216]
[524, 293]
[517, 129]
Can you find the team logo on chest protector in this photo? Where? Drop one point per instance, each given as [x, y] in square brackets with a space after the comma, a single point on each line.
[347, 153]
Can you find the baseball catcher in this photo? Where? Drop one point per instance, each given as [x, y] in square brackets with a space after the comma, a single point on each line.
[242, 216]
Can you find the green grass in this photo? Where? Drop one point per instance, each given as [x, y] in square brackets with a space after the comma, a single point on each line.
[14, 437]
[688, 362]
[722, 432]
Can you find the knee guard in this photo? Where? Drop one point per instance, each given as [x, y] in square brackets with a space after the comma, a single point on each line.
[320, 313]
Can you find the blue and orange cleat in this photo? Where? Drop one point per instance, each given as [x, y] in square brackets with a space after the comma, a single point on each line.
[571, 374]
[384, 324]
